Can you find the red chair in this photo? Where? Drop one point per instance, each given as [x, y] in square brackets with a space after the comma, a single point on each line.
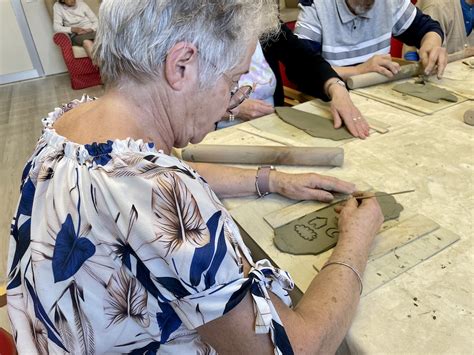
[81, 70]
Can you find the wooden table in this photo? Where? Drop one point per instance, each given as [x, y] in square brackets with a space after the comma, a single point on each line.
[429, 308]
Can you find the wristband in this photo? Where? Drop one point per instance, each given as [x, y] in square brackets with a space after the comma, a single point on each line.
[262, 180]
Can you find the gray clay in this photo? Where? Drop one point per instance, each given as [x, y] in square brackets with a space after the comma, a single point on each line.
[426, 92]
[314, 125]
[318, 231]
[469, 117]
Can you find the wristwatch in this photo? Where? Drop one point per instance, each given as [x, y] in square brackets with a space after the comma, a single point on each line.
[339, 82]
[262, 180]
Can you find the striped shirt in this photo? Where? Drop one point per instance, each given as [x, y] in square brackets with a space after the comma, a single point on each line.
[348, 39]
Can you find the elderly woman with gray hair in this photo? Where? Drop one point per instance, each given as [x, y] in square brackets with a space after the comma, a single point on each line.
[118, 247]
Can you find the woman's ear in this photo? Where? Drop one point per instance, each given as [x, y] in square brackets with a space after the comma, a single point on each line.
[181, 65]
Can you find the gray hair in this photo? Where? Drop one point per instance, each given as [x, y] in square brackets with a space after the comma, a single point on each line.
[134, 36]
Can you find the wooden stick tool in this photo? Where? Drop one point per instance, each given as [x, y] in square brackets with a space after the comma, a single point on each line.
[385, 194]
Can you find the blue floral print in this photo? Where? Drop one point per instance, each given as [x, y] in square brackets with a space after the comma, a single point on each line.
[118, 248]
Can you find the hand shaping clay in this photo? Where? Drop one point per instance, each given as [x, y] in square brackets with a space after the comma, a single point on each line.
[426, 92]
[318, 231]
[314, 125]
[469, 117]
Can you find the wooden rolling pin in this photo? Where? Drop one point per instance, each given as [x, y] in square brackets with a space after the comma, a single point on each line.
[406, 71]
[274, 155]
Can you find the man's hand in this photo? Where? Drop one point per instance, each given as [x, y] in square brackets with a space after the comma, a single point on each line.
[380, 64]
[251, 109]
[308, 186]
[433, 57]
[344, 110]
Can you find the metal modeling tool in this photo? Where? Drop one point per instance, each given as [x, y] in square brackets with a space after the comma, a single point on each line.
[385, 194]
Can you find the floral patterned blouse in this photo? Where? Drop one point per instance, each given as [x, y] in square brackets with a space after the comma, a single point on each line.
[118, 248]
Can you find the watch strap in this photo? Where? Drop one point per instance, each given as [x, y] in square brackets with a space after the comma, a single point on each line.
[262, 180]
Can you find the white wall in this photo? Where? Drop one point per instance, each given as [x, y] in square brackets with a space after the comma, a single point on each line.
[14, 57]
[41, 27]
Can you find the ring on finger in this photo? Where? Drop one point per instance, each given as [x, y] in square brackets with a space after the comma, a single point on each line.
[356, 118]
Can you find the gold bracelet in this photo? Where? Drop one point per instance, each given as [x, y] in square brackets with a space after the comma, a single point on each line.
[361, 286]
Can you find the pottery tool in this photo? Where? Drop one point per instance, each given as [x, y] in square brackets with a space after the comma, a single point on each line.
[406, 71]
[274, 155]
[384, 194]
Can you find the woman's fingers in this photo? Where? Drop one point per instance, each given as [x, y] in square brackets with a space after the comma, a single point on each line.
[330, 183]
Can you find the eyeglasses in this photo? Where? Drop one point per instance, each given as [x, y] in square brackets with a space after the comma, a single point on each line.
[238, 94]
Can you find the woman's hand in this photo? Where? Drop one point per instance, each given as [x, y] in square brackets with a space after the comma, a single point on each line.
[343, 109]
[360, 222]
[251, 109]
[308, 186]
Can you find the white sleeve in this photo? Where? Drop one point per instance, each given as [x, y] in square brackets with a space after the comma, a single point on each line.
[308, 25]
[58, 19]
[403, 14]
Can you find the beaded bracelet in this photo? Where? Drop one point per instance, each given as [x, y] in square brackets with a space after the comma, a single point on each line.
[361, 286]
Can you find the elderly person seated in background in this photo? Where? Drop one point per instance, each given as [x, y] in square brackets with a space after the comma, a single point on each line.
[78, 20]
[309, 71]
[119, 247]
[354, 35]
[456, 19]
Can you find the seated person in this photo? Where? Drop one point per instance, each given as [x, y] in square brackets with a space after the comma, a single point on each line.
[119, 247]
[78, 20]
[456, 19]
[354, 35]
[309, 71]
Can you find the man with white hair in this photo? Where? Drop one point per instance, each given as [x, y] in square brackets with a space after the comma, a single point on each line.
[354, 35]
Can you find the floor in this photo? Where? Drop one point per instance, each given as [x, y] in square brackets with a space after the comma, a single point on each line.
[22, 105]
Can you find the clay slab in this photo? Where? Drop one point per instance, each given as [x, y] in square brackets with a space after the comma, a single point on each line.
[312, 124]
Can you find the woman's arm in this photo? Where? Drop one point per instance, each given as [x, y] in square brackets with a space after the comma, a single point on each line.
[228, 181]
[303, 63]
[322, 318]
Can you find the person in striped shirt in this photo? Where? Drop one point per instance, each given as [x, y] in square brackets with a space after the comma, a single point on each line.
[354, 35]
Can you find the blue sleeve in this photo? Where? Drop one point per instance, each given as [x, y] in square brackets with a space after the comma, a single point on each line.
[421, 25]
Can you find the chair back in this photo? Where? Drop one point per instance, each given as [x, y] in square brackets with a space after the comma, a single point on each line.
[93, 4]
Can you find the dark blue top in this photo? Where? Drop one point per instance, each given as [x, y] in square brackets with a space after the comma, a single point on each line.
[468, 14]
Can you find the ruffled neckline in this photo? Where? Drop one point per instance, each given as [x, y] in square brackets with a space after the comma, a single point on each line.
[97, 152]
